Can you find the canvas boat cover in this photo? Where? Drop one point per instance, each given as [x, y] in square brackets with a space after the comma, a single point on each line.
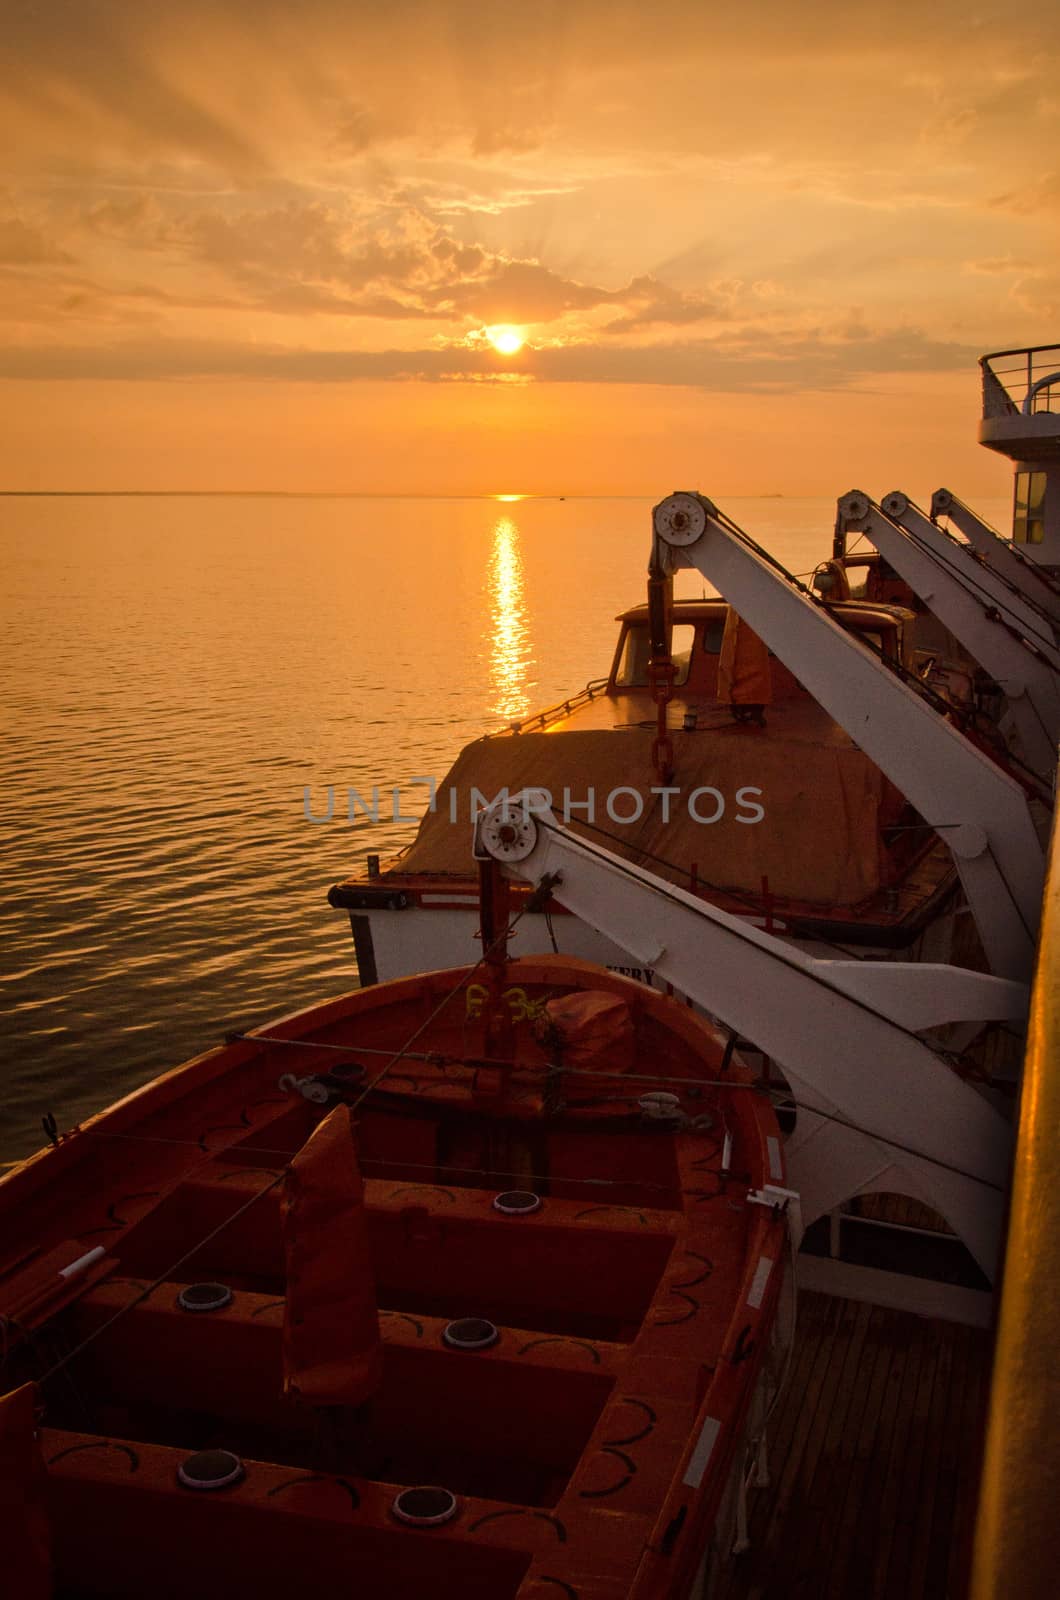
[744, 675]
[823, 803]
[591, 1030]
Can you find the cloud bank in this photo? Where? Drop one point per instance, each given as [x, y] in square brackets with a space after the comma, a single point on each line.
[766, 198]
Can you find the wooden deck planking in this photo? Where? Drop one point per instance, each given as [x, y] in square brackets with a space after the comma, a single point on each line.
[769, 1511]
[946, 1522]
[823, 1459]
[857, 1467]
[912, 1563]
[913, 1488]
[955, 1563]
[874, 1453]
[874, 1514]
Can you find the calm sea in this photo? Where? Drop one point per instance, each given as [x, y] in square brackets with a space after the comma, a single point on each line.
[176, 673]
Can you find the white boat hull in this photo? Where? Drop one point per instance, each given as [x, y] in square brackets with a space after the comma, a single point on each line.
[397, 943]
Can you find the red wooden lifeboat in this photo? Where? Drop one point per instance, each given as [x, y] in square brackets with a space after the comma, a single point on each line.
[512, 1355]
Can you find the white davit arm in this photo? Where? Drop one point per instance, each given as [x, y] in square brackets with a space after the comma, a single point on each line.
[961, 594]
[878, 1107]
[978, 810]
[1019, 612]
[960, 562]
[1008, 560]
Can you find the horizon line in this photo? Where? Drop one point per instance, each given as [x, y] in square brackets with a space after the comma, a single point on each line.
[352, 494]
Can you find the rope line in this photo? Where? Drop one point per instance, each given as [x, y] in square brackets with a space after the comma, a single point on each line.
[907, 1149]
[554, 1068]
[995, 572]
[973, 586]
[165, 1276]
[777, 1094]
[898, 668]
[779, 955]
[435, 1167]
[175, 1266]
[741, 896]
[440, 1007]
[280, 1176]
[404, 1053]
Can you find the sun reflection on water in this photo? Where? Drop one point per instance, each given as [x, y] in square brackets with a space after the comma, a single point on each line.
[508, 639]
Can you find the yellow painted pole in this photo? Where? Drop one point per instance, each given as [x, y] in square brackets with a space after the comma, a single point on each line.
[1016, 1542]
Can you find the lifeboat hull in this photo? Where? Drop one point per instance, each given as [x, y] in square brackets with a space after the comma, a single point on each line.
[576, 1282]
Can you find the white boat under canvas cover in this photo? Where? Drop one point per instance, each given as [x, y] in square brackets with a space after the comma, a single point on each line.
[979, 810]
[879, 1109]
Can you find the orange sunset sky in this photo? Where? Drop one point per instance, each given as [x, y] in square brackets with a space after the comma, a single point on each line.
[253, 244]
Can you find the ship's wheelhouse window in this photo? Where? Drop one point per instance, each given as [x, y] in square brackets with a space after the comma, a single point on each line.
[1028, 520]
[857, 577]
[633, 665]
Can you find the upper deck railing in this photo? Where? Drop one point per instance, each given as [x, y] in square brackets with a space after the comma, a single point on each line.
[557, 713]
[1021, 382]
[1015, 1551]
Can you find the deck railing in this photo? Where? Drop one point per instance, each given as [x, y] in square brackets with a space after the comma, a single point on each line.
[556, 713]
[1023, 382]
[1015, 1550]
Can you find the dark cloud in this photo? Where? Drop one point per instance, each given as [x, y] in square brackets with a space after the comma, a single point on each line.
[814, 360]
[654, 304]
[519, 291]
[316, 257]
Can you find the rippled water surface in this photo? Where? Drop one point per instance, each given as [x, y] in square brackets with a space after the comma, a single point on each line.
[176, 671]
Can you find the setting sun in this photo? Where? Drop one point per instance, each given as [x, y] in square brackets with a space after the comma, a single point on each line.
[506, 341]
